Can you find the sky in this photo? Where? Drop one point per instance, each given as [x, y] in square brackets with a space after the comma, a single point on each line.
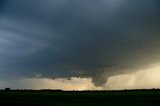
[79, 45]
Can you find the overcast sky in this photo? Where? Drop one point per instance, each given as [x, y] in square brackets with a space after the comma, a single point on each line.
[94, 39]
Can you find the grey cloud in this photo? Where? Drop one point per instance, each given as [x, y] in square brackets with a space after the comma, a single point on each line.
[59, 38]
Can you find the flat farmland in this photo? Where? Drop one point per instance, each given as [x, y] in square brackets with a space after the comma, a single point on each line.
[80, 98]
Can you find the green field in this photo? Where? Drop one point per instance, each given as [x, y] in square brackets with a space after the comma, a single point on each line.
[80, 98]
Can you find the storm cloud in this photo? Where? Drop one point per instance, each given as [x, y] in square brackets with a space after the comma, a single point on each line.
[87, 38]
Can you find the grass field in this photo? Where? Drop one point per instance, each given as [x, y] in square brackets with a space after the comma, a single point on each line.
[80, 98]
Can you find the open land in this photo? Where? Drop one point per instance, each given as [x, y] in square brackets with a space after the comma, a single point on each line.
[80, 98]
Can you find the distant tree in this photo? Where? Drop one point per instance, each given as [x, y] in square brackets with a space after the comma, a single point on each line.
[7, 89]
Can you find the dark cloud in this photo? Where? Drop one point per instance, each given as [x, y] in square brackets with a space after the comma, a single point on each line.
[59, 38]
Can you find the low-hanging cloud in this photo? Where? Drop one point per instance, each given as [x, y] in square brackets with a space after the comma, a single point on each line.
[88, 38]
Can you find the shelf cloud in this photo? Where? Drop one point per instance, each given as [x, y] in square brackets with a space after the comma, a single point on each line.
[85, 39]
